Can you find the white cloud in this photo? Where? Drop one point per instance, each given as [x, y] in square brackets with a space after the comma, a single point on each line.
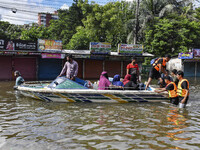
[27, 11]
[64, 6]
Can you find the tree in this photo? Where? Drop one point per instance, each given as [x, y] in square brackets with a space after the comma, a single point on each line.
[3, 29]
[148, 11]
[64, 28]
[104, 23]
[171, 36]
[35, 32]
[14, 31]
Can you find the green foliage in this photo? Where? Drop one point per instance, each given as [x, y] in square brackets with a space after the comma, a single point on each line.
[103, 23]
[34, 33]
[171, 36]
[3, 29]
[80, 40]
[165, 27]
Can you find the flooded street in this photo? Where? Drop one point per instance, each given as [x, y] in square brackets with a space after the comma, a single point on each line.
[30, 124]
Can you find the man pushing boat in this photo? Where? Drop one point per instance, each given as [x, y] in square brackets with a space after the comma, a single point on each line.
[158, 67]
[70, 68]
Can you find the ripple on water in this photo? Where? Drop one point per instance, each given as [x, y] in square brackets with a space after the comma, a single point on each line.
[29, 124]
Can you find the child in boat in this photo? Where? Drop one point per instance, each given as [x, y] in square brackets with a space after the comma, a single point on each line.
[132, 84]
[173, 74]
[163, 84]
[116, 81]
[104, 83]
[127, 79]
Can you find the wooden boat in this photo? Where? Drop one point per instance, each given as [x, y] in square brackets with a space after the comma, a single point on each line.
[65, 90]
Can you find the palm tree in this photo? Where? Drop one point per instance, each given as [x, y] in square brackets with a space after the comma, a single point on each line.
[148, 10]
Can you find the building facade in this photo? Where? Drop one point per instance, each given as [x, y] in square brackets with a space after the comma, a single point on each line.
[45, 18]
[33, 67]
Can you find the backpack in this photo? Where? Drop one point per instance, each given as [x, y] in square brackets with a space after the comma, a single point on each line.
[153, 60]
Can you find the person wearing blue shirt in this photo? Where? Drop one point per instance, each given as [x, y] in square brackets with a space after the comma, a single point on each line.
[116, 81]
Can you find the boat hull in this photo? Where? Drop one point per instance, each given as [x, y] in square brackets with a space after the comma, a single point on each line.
[90, 95]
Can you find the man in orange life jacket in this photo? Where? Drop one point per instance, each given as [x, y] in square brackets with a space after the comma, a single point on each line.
[183, 89]
[158, 67]
[172, 90]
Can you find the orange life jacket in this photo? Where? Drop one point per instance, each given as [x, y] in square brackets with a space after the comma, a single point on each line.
[182, 92]
[156, 65]
[172, 93]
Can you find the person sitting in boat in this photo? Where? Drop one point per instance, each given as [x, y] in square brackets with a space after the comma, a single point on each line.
[172, 90]
[116, 82]
[70, 68]
[127, 78]
[174, 76]
[104, 83]
[19, 79]
[133, 68]
[183, 89]
[163, 84]
[132, 84]
[158, 67]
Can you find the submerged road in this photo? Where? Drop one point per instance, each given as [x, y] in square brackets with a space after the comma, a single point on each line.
[30, 124]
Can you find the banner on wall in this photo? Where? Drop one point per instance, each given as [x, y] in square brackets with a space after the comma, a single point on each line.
[2, 44]
[196, 52]
[187, 55]
[18, 45]
[51, 55]
[130, 49]
[44, 45]
[100, 48]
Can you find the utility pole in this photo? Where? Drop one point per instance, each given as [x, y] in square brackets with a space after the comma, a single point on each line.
[136, 27]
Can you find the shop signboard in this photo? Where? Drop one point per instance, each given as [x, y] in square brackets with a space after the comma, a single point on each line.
[49, 45]
[53, 55]
[25, 45]
[2, 44]
[130, 49]
[187, 55]
[196, 52]
[18, 45]
[102, 48]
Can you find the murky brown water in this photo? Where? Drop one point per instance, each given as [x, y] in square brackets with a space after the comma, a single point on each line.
[27, 124]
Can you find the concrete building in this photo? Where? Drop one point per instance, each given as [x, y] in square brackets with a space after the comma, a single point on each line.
[45, 18]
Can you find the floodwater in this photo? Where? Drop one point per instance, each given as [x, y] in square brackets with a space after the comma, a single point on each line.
[28, 124]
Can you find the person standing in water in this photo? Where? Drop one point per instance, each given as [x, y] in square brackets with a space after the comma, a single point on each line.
[19, 79]
[171, 88]
[183, 89]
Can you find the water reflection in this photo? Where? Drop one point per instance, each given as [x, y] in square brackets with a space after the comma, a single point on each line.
[30, 124]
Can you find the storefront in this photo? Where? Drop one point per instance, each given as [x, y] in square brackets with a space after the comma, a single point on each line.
[49, 69]
[47, 61]
[27, 66]
[6, 67]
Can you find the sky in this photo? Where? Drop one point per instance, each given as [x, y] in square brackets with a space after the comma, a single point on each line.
[27, 10]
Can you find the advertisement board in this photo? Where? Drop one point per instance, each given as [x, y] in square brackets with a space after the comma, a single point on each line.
[49, 45]
[100, 48]
[18, 45]
[52, 55]
[187, 55]
[130, 49]
[196, 52]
